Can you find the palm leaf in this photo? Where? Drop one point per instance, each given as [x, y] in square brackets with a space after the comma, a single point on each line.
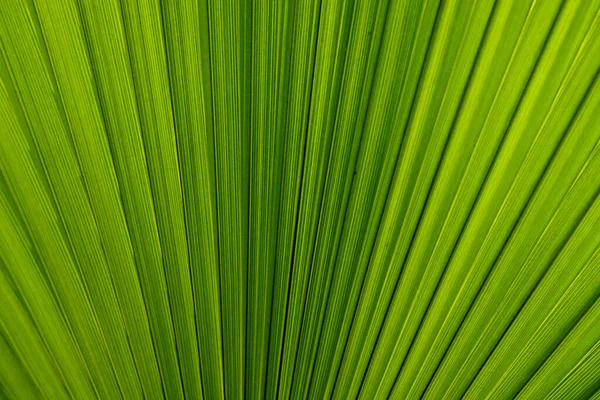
[300, 199]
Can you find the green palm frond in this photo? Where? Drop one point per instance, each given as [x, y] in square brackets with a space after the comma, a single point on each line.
[342, 199]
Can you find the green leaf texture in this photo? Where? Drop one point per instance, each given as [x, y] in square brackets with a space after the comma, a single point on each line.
[299, 199]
